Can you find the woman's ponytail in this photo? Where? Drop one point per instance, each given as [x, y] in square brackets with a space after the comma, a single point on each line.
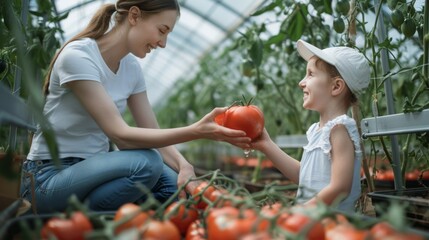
[96, 28]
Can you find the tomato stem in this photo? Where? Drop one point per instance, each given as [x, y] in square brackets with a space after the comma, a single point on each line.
[246, 103]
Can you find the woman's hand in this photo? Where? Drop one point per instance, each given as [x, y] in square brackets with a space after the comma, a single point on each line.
[208, 128]
[184, 175]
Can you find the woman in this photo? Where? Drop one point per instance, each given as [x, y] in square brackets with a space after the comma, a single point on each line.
[91, 81]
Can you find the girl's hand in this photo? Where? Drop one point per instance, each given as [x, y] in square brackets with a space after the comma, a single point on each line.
[208, 128]
[261, 142]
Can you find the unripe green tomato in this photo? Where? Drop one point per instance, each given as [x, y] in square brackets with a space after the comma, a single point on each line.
[339, 25]
[397, 18]
[408, 27]
[343, 7]
[392, 4]
[247, 68]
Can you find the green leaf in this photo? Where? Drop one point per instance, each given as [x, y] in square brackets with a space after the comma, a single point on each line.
[297, 23]
[268, 8]
[44, 5]
[49, 42]
[276, 39]
[256, 51]
[322, 6]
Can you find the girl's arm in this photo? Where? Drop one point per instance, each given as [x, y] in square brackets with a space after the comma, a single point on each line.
[282, 161]
[100, 106]
[342, 155]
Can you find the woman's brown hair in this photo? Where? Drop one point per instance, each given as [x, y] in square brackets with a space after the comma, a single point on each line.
[100, 22]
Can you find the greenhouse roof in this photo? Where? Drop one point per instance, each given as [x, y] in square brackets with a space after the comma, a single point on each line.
[203, 25]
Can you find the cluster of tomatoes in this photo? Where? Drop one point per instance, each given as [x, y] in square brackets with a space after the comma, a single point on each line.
[414, 175]
[213, 212]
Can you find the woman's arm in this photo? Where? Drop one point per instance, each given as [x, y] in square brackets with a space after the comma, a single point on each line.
[145, 118]
[342, 155]
[100, 106]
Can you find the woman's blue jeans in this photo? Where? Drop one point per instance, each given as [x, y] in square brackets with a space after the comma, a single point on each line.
[104, 182]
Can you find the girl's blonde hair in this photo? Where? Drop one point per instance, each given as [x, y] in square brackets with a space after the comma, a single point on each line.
[100, 22]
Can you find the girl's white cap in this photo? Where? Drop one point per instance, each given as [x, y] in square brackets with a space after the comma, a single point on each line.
[350, 63]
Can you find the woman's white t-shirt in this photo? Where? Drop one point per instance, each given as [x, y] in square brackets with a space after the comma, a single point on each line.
[315, 169]
[77, 134]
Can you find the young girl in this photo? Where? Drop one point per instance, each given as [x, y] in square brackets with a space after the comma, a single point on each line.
[91, 81]
[329, 170]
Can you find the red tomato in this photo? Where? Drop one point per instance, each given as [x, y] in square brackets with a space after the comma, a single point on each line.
[222, 198]
[382, 230]
[231, 223]
[125, 211]
[381, 176]
[257, 236]
[425, 175]
[206, 191]
[347, 231]
[390, 175]
[73, 228]
[271, 210]
[249, 119]
[161, 230]
[412, 175]
[196, 231]
[183, 216]
[298, 222]
[404, 236]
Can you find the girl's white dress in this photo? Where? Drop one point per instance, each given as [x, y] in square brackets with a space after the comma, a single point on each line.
[315, 170]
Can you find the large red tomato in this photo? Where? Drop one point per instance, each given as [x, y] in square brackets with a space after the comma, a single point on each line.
[181, 216]
[249, 119]
[125, 211]
[63, 229]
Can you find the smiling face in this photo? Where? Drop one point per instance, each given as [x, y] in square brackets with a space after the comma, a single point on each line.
[317, 86]
[149, 31]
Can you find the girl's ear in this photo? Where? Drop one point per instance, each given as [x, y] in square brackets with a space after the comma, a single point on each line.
[133, 14]
[338, 86]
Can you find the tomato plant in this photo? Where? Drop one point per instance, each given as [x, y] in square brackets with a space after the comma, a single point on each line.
[248, 118]
[125, 211]
[181, 216]
[160, 230]
[63, 229]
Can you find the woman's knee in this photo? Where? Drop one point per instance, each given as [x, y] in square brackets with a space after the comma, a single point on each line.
[153, 161]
